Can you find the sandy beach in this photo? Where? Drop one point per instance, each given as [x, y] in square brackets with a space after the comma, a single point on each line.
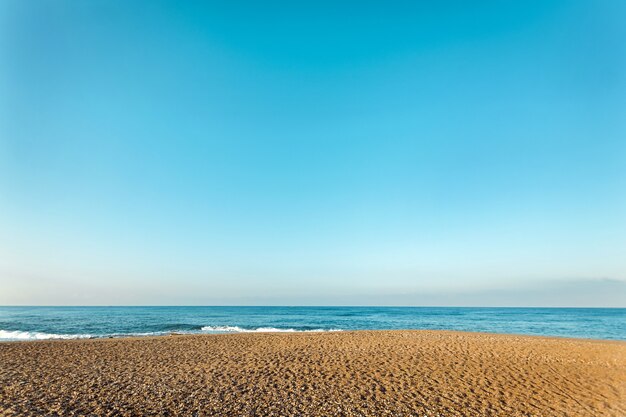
[366, 373]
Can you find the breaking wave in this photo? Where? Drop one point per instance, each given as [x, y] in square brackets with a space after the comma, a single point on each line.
[19, 335]
[22, 335]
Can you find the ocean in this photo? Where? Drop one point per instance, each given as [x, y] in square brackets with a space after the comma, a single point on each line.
[37, 323]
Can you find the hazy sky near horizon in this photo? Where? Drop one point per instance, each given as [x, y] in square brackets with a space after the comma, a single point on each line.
[450, 152]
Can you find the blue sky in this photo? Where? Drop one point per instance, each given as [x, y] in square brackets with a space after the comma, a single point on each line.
[466, 153]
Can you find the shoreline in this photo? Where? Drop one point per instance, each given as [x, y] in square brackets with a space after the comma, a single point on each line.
[179, 334]
[347, 373]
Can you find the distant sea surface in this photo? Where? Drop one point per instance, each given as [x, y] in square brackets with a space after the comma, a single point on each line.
[36, 323]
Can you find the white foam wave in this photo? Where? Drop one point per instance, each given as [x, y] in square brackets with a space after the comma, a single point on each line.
[222, 329]
[22, 335]
[18, 335]
[237, 329]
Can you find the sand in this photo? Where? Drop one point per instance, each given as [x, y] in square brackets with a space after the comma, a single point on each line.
[382, 373]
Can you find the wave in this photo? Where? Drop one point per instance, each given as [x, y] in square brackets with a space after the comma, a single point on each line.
[237, 329]
[22, 335]
[19, 335]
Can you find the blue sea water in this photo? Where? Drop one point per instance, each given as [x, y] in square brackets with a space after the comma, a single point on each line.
[32, 323]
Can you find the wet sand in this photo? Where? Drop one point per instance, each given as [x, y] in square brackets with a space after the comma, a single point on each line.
[367, 373]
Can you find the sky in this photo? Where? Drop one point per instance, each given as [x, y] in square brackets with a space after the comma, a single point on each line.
[313, 153]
